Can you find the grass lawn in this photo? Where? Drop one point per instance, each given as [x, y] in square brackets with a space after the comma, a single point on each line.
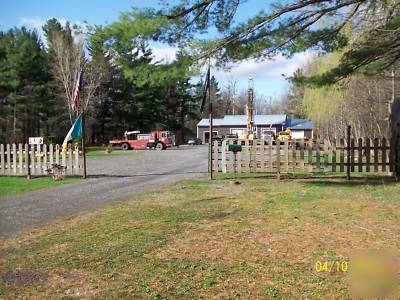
[199, 240]
[18, 184]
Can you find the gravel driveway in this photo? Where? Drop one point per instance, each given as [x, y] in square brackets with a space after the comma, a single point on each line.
[111, 179]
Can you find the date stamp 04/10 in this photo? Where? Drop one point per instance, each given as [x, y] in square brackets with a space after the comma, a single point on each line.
[331, 266]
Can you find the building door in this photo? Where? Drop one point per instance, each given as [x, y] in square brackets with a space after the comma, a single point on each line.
[207, 135]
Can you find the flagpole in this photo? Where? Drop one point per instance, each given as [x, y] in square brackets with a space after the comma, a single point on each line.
[210, 118]
[83, 143]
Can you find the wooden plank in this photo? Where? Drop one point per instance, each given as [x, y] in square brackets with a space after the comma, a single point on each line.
[45, 163]
[8, 158]
[63, 158]
[26, 158]
[70, 161]
[352, 155]
[51, 154]
[14, 158]
[318, 154]
[294, 157]
[32, 160]
[326, 156]
[286, 155]
[384, 155]
[360, 155]
[57, 154]
[2, 157]
[231, 161]
[270, 149]
[239, 162]
[278, 159]
[302, 155]
[310, 155]
[376, 155]
[246, 157]
[39, 159]
[368, 154]
[262, 157]
[341, 154]
[20, 159]
[223, 156]
[252, 156]
[76, 163]
[334, 156]
[216, 157]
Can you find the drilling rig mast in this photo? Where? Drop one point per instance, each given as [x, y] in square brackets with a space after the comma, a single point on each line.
[250, 110]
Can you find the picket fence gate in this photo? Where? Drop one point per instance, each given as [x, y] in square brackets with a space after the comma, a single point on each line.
[14, 159]
[300, 156]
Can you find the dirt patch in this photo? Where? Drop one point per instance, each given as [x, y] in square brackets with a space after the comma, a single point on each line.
[25, 277]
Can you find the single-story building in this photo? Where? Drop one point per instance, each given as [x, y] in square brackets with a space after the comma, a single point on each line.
[236, 124]
[301, 128]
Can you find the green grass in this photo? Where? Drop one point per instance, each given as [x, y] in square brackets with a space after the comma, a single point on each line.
[10, 185]
[200, 239]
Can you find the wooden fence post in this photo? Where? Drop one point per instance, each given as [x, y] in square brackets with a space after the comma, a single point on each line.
[368, 154]
[352, 155]
[14, 158]
[286, 141]
[383, 155]
[270, 149]
[8, 158]
[32, 160]
[21, 158]
[310, 155]
[223, 156]
[278, 159]
[341, 155]
[51, 155]
[2, 164]
[262, 156]
[302, 155]
[76, 164]
[334, 156]
[360, 155]
[294, 157]
[376, 155]
[326, 156]
[216, 157]
[348, 151]
[27, 163]
[318, 155]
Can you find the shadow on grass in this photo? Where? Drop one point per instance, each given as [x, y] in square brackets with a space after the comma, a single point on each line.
[320, 179]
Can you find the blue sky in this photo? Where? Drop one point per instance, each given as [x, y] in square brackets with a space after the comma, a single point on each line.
[33, 13]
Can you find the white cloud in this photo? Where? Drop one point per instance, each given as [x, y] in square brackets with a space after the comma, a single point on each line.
[33, 23]
[37, 24]
[269, 69]
[165, 53]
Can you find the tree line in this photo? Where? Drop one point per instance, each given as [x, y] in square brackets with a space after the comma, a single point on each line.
[124, 87]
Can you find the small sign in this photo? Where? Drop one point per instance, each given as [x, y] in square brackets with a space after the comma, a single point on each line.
[35, 141]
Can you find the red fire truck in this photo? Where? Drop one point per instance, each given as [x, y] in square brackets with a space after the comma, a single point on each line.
[159, 140]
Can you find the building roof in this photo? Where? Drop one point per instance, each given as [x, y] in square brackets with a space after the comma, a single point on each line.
[241, 120]
[300, 124]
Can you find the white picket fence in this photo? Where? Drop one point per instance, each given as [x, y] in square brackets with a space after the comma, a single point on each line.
[14, 159]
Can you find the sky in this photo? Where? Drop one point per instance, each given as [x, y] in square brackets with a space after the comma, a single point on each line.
[268, 79]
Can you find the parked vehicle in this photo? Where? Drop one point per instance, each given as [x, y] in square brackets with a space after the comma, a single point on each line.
[159, 140]
[194, 141]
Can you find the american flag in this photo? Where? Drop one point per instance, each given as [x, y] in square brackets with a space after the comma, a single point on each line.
[76, 91]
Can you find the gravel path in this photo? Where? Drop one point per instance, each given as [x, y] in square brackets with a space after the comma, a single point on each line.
[111, 179]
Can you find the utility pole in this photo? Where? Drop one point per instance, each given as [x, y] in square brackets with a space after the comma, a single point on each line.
[210, 119]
